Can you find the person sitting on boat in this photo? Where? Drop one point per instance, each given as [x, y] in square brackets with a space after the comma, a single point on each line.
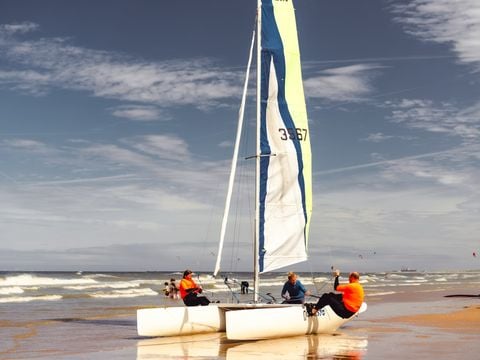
[348, 302]
[189, 291]
[293, 290]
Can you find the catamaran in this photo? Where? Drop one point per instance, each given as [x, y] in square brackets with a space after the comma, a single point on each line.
[283, 196]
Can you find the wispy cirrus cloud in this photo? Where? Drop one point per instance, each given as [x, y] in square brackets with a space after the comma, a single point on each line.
[29, 145]
[401, 170]
[21, 28]
[381, 137]
[140, 113]
[377, 137]
[46, 63]
[165, 158]
[443, 117]
[38, 66]
[167, 147]
[346, 83]
[452, 22]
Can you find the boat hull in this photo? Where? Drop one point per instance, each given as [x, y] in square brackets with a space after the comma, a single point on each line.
[180, 320]
[184, 320]
[257, 324]
[239, 321]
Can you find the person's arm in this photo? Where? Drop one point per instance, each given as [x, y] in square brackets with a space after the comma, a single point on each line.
[284, 290]
[336, 283]
[303, 289]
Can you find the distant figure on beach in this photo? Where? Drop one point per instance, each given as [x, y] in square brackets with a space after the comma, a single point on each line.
[173, 290]
[293, 290]
[166, 290]
[348, 302]
[244, 287]
[189, 291]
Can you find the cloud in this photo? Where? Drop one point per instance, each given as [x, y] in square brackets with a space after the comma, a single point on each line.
[167, 146]
[139, 113]
[377, 137]
[346, 83]
[442, 117]
[47, 63]
[26, 81]
[165, 159]
[452, 22]
[406, 169]
[226, 144]
[18, 28]
[28, 145]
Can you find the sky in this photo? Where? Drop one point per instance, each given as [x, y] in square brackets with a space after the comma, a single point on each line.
[118, 118]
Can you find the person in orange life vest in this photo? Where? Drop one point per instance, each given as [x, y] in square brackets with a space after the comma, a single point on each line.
[189, 291]
[348, 302]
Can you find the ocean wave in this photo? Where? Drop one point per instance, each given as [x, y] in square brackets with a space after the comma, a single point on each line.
[32, 280]
[382, 293]
[114, 285]
[99, 276]
[124, 293]
[11, 290]
[21, 299]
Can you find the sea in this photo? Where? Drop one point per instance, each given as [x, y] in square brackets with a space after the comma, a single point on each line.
[65, 315]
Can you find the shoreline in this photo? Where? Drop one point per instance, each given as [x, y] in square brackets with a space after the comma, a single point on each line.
[414, 322]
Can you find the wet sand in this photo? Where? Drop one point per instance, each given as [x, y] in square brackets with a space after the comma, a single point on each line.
[410, 325]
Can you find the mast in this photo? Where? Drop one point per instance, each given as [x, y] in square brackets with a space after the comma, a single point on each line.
[256, 284]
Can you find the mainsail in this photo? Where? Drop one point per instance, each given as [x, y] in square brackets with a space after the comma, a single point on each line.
[284, 189]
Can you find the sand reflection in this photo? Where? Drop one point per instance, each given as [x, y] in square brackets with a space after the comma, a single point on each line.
[217, 346]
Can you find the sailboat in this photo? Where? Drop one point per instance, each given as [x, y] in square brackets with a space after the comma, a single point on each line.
[283, 196]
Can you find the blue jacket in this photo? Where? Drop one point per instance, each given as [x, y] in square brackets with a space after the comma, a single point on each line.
[296, 292]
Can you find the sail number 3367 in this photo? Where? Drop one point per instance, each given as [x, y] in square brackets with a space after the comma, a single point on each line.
[293, 134]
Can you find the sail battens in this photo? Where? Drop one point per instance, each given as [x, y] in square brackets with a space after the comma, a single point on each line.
[285, 199]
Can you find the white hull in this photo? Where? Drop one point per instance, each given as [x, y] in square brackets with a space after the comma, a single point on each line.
[240, 321]
[256, 324]
[183, 320]
[180, 320]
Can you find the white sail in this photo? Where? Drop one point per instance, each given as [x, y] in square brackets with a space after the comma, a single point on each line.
[284, 191]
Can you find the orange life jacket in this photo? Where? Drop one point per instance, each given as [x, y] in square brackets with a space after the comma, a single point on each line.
[186, 284]
[352, 295]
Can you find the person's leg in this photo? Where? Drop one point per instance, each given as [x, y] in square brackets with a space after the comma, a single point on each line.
[338, 307]
[202, 300]
[325, 300]
[191, 300]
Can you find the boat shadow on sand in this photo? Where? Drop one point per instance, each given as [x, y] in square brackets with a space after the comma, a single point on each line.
[109, 322]
[216, 345]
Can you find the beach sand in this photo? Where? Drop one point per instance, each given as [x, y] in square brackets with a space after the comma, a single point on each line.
[410, 325]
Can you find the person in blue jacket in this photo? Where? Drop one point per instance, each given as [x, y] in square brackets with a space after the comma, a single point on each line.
[293, 290]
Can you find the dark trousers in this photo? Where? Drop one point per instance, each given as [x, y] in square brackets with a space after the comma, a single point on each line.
[335, 302]
[293, 302]
[193, 300]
